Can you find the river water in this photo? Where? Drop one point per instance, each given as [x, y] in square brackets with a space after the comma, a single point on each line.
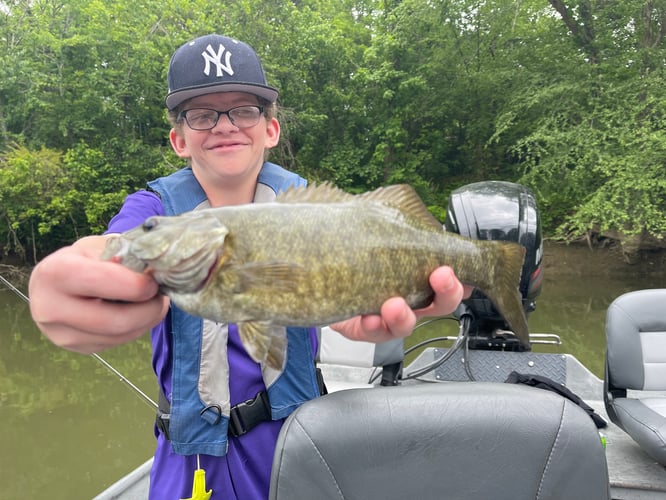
[69, 428]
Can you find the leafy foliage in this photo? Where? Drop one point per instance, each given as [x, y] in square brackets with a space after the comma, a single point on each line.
[561, 95]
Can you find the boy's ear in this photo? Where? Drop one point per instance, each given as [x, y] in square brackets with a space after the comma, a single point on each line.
[272, 133]
[178, 144]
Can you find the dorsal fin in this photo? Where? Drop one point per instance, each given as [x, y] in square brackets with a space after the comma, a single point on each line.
[406, 199]
[314, 193]
[399, 196]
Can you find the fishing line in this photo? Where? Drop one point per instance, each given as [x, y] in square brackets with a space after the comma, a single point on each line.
[99, 358]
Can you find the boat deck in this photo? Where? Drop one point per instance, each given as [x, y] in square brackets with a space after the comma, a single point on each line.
[633, 474]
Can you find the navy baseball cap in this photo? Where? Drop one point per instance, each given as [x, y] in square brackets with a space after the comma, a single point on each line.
[215, 63]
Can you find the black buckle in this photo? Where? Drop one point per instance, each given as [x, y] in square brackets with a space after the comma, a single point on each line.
[162, 423]
[245, 416]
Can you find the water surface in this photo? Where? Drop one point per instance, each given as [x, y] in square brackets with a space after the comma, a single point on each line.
[68, 428]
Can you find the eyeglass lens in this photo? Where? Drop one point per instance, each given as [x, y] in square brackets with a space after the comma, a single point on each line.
[206, 119]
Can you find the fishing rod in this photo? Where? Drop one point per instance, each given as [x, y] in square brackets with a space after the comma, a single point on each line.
[99, 358]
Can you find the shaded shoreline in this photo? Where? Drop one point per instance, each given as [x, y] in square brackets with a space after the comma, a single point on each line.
[577, 258]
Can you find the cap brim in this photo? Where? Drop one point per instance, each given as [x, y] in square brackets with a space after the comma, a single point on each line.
[175, 98]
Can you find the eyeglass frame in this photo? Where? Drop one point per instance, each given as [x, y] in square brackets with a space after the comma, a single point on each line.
[183, 116]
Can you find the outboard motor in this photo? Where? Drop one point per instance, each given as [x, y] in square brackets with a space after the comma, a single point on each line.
[495, 210]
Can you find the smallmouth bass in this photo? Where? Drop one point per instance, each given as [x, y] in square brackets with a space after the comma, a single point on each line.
[315, 256]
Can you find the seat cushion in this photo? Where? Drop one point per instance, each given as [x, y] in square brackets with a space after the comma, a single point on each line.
[645, 421]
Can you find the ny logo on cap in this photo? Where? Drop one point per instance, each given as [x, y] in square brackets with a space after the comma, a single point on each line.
[210, 56]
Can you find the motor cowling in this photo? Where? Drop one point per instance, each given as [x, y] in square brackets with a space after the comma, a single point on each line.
[497, 210]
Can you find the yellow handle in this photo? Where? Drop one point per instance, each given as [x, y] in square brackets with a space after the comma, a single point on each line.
[199, 486]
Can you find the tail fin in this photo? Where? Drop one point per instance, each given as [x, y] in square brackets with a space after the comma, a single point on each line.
[501, 285]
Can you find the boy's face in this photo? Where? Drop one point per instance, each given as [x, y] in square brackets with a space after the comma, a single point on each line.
[225, 153]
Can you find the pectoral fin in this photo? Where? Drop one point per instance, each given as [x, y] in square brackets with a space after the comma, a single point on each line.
[264, 342]
[279, 275]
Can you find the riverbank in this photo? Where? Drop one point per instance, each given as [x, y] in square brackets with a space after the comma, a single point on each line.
[574, 259]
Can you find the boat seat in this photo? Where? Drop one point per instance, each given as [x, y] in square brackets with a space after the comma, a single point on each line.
[635, 378]
[460, 440]
[335, 349]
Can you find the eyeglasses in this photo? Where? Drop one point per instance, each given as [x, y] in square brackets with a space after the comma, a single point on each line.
[206, 119]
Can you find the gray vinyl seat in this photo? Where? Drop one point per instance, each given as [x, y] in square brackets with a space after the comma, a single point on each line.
[335, 349]
[635, 378]
[471, 441]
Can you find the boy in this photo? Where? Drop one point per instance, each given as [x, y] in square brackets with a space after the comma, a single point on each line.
[223, 116]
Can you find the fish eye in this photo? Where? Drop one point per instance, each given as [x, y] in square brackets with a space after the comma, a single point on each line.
[149, 224]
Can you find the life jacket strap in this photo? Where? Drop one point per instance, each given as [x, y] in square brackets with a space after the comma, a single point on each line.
[243, 417]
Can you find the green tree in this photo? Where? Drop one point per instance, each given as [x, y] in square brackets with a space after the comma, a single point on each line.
[27, 178]
[590, 133]
[562, 95]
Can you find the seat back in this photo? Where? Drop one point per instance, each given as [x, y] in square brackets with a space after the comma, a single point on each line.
[636, 341]
[335, 349]
[469, 441]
